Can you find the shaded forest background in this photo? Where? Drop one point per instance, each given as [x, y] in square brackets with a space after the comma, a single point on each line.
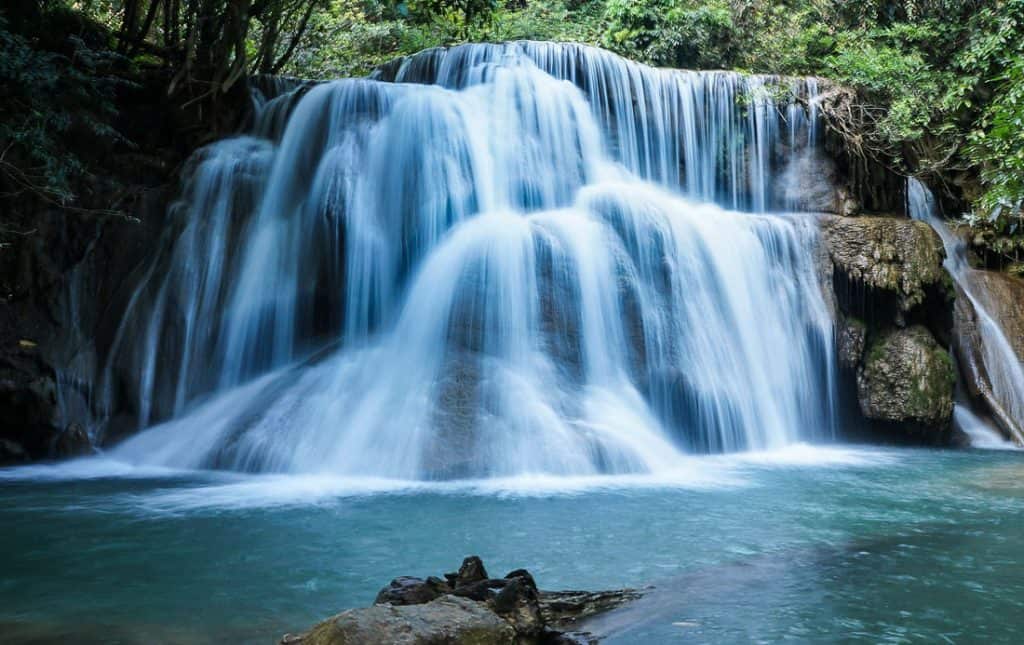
[936, 87]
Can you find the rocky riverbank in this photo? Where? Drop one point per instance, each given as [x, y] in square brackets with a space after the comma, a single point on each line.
[466, 607]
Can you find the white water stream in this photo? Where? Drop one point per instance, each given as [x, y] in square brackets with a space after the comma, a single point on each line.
[513, 259]
[1002, 365]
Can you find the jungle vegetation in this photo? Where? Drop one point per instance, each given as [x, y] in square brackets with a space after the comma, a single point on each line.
[937, 86]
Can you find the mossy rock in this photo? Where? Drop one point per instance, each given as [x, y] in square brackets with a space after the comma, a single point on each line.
[907, 378]
[896, 255]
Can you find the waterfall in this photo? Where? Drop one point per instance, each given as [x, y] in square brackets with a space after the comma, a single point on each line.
[1002, 365]
[484, 261]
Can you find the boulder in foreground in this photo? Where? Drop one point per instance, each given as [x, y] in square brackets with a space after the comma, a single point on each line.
[466, 608]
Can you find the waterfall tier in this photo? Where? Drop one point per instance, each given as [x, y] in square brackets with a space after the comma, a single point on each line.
[486, 261]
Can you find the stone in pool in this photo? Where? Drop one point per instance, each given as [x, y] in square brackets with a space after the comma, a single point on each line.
[469, 609]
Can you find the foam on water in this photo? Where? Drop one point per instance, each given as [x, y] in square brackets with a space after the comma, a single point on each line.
[86, 468]
[981, 434]
[175, 491]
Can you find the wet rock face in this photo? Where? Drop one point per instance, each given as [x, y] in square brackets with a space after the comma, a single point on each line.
[1002, 296]
[810, 182]
[894, 315]
[898, 257]
[906, 377]
[73, 442]
[851, 335]
[28, 414]
[468, 608]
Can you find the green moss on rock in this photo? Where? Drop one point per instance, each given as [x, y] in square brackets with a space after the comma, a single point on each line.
[897, 255]
[907, 377]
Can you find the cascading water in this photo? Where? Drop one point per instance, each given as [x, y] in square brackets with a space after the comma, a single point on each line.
[483, 261]
[1004, 369]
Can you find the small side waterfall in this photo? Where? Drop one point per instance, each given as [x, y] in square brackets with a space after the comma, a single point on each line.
[485, 261]
[1004, 369]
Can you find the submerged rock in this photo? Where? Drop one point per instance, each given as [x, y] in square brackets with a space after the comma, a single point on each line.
[467, 609]
[566, 608]
[907, 378]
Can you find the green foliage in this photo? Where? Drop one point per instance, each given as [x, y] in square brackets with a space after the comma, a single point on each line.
[939, 83]
[891, 73]
[351, 37]
[998, 143]
[672, 34]
[568, 21]
[57, 103]
[466, 15]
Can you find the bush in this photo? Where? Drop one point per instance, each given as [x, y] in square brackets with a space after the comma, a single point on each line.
[670, 34]
[58, 105]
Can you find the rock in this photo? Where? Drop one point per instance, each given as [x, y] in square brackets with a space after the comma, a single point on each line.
[900, 257]
[471, 571]
[851, 335]
[848, 204]
[28, 411]
[811, 183]
[565, 608]
[894, 309]
[448, 620]
[524, 574]
[12, 453]
[481, 590]
[907, 378]
[517, 603]
[1002, 296]
[406, 590]
[73, 442]
[468, 609]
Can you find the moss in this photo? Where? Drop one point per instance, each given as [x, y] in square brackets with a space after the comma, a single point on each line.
[934, 383]
[907, 377]
[948, 287]
[877, 349]
[889, 254]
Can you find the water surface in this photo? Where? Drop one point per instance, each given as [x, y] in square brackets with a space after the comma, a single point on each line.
[808, 543]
